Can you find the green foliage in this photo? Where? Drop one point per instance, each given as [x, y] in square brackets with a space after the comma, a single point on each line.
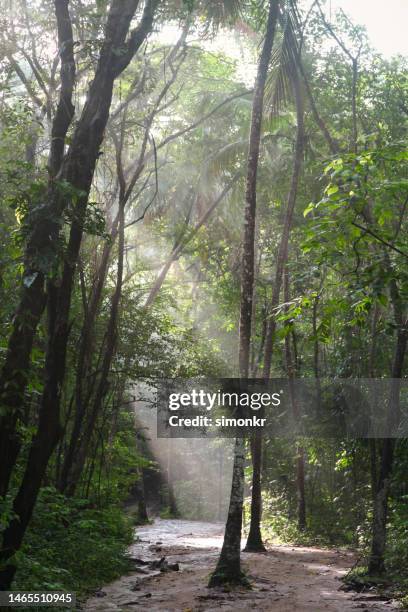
[72, 545]
[397, 556]
[395, 582]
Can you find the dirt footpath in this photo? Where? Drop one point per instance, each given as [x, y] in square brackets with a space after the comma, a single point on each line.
[285, 579]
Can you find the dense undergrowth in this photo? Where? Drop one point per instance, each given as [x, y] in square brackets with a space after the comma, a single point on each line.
[73, 546]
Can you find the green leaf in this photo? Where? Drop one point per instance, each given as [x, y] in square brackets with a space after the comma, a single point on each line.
[308, 209]
[332, 190]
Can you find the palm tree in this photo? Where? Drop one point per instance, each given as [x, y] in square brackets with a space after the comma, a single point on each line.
[283, 82]
[228, 569]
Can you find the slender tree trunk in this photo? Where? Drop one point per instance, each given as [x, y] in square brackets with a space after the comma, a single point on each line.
[82, 445]
[316, 355]
[256, 505]
[372, 443]
[376, 564]
[229, 564]
[254, 541]
[284, 242]
[300, 453]
[300, 484]
[228, 568]
[373, 467]
[15, 372]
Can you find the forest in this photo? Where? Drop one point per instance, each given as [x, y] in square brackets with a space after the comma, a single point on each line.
[196, 190]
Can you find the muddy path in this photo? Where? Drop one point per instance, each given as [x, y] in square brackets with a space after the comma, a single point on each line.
[285, 579]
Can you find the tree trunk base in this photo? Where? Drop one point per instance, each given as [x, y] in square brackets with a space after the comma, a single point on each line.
[254, 541]
[255, 545]
[226, 577]
[376, 568]
[254, 548]
[7, 577]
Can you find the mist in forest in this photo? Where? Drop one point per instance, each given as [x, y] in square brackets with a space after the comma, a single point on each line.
[203, 190]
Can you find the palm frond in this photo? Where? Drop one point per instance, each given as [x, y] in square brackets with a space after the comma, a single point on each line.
[284, 59]
[223, 160]
[222, 12]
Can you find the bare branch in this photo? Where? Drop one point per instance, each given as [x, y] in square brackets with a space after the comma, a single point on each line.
[142, 216]
[25, 81]
[332, 32]
[367, 230]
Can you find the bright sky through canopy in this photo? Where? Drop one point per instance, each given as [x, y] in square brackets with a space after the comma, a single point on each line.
[386, 22]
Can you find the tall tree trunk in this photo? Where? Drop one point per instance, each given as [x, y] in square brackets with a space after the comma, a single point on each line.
[376, 564]
[287, 226]
[84, 356]
[77, 169]
[254, 538]
[372, 443]
[82, 445]
[15, 372]
[300, 452]
[300, 485]
[228, 568]
[254, 541]
[316, 355]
